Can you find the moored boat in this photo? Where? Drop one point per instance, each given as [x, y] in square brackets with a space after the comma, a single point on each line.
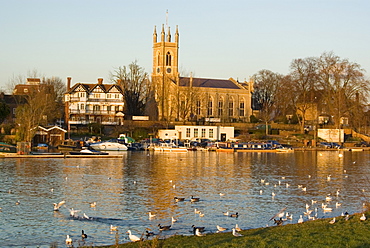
[109, 146]
[87, 151]
[6, 148]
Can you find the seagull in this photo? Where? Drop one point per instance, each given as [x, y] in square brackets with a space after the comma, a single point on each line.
[326, 209]
[68, 240]
[93, 204]
[226, 213]
[328, 197]
[236, 234]
[222, 194]
[198, 233]
[300, 220]
[237, 228]
[192, 199]
[288, 216]
[132, 237]
[201, 214]
[173, 219]
[363, 217]
[196, 211]
[58, 205]
[73, 212]
[332, 221]
[328, 177]
[280, 214]
[221, 229]
[337, 204]
[113, 228]
[83, 235]
[164, 228]
[151, 215]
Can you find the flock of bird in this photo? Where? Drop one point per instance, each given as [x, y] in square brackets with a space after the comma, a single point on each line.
[310, 211]
[196, 230]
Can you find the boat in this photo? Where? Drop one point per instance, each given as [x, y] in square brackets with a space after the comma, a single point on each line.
[170, 147]
[109, 146]
[7, 148]
[87, 151]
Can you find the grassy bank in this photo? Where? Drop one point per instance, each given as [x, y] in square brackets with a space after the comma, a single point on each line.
[319, 233]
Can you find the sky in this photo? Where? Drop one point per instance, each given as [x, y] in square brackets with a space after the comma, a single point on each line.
[89, 39]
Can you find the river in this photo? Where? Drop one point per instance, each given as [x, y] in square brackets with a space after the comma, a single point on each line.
[256, 185]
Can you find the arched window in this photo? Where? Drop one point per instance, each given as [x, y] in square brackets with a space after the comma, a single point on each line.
[231, 107]
[168, 59]
[220, 106]
[241, 107]
[210, 107]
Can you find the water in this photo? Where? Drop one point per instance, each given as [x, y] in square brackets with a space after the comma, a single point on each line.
[125, 190]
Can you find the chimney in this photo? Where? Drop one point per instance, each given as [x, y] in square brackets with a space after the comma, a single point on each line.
[100, 81]
[69, 83]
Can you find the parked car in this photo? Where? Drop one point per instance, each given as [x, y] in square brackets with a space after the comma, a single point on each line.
[324, 145]
[335, 145]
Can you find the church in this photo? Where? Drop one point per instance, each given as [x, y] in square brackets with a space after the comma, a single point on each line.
[188, 98]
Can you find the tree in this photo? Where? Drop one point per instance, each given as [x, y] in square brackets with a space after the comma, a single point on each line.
[136, 87]
[56, 108]
[302, 85]
[4, 111]
[32, 113]
[266, 85]
[343, 85]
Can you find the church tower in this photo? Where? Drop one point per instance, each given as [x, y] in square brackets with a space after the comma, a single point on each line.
[165, 73]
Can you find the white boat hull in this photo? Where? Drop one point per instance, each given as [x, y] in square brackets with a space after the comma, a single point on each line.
[109, 146]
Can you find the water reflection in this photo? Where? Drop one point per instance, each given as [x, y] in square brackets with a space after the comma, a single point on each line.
[256, 185]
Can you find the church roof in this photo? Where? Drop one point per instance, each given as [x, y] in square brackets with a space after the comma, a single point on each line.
[209, 83]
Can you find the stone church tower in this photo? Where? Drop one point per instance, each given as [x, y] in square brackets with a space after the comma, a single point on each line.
[180, 98]
[165, 68]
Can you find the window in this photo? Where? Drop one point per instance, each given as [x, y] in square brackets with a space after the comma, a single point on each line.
[231, 108]
[187, 132]
[210, 134]
[91, 118]
[108, 108]
[116, 96]
[109, 95]
[210, 108]
[168, 59]
[195, 132]
[220, 107]
[96, 107]
[203, 132]
[197, 107]
[96, 95]
[82, 106]
[241, 108]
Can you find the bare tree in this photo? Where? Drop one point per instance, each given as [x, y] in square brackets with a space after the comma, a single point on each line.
[303, 85]
[136, 87]
[266, 84]
[343, 85]
[32, 113]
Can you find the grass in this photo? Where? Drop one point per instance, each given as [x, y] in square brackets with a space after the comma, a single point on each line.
[318, 233]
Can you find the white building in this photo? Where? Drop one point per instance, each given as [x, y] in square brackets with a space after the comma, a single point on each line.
[197, 132]
[87, 103]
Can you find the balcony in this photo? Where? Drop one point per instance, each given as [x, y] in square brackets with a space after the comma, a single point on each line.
[91, 112]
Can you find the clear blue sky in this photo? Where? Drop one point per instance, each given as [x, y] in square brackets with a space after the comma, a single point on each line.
[86, 39]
